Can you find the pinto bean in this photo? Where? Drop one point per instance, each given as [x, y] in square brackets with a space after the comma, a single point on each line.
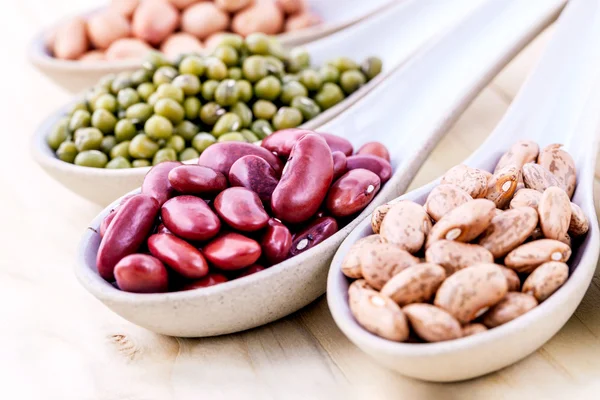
[154, 20]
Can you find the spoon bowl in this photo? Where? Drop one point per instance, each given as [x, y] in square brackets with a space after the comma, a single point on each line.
[405, 28]
[557, 105]
[75, 76]
[485, 40]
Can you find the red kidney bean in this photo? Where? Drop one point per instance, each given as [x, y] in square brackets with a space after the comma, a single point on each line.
[126, 233]
[190, 217]
[313, 234]
[338, 143]
[251, 270]
[282, 142]
[373, 163]
[352, 192]
[374, 149]
[163, 229]
[276, 242]
[305, 181]
[256, 174]
[339, 164]
[141, 273]
[106, 222]
[156, 183]
[232, 251]
[211, 279]
[178, 254]
[221, 156]
[194, 179]
[241, 209]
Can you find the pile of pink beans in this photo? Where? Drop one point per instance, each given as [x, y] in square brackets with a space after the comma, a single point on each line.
[242, 209]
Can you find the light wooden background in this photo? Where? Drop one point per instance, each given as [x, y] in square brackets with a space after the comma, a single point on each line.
[58, 342]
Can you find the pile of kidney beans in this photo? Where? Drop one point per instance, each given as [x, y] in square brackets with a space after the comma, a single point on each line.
[237, 212]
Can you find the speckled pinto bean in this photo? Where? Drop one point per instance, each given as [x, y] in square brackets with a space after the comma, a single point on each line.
[502, 185]
[375, 149]
[241, 209]
[340, 166]
[378, 314]
[378, 216]
[555, 213]
[473, 329]
[512, 279]
[546, 279]
[351, 266]
[194, 179]
[415, 284]
[519, 154]
[211, 279]
[221, 156]
[528, 256]
[191, 218]
[579, 224]
[254, 173]
[454, 256]
[126, 233]
[352, 192]
[375, 164]
[561, 165]
[141, 273]
[156, 183]
[470, 291]
[508, 230]
[232, 251]
[178, 254]
[513, 305]
[282, 142]
[381, 261]
[443, 199]
[472, 180]
[277, 242]
[431, 323]
[537, 177]
[305, 181]
[526, 198]
[464, 223]
[315, 233]
[406, 224]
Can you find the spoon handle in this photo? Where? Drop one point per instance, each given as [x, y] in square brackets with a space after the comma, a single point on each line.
[420, 101]
[558, 102]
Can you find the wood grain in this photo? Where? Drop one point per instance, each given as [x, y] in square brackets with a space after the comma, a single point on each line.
[58, 342]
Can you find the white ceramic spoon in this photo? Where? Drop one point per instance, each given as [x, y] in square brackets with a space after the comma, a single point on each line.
[76, 76]
[499, 28]
[560, 103]
[395, 35]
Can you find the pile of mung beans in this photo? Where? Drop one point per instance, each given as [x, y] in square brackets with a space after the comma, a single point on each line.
[238, 211]
[172, 111]
[484, 249]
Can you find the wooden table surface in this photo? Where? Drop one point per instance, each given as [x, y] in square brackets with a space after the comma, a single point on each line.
[58, 342]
